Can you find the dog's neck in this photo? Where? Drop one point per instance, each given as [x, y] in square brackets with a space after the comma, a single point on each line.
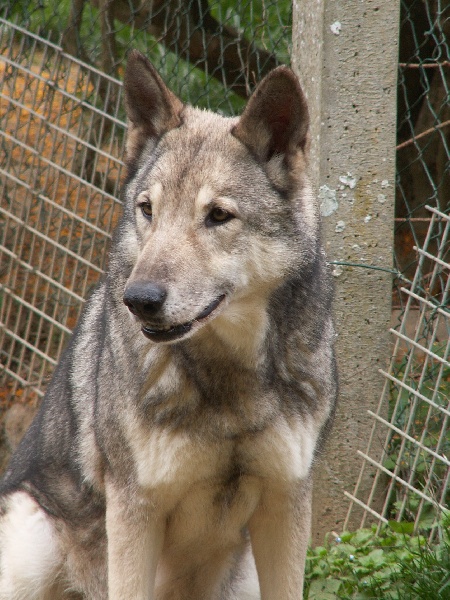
[240, 332]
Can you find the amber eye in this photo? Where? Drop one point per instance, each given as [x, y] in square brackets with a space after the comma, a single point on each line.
[218, 216]
[146, 209]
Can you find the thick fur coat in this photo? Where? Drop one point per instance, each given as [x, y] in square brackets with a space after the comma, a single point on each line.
[171, 457]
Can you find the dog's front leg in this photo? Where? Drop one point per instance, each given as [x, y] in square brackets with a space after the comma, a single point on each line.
[135, 537]
[279, 531]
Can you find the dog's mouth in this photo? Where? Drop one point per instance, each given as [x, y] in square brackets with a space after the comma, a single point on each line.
[178, 331]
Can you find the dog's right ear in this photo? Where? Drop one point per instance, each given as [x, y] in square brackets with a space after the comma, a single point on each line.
[152, 109]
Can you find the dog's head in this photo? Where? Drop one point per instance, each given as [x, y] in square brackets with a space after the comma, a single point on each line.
[218, 210]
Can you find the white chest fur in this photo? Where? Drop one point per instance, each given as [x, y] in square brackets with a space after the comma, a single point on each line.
[207, 492]
[168, 463]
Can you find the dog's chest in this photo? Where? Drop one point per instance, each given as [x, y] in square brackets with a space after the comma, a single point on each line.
[170, 465]
[207, 491]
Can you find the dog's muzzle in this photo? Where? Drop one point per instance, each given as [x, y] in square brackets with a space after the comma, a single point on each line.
[145, 300]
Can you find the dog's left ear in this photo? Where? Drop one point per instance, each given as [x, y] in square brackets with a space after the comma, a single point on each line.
[276, 118]
[152, 109]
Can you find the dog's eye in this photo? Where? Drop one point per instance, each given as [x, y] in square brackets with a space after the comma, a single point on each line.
[146, 209]
[218, 216]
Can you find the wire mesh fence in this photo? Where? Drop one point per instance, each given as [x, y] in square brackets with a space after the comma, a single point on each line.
[411, 424]
[62, 134]
[412, 474]
[60, 181]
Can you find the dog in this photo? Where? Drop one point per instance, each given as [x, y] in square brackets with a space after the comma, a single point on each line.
[171, 456]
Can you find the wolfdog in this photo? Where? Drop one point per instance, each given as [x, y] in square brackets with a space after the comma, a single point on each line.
[171, 456]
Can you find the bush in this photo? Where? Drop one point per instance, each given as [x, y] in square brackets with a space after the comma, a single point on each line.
[392, 564]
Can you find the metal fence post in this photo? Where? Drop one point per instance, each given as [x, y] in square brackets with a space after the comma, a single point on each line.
[346, 53]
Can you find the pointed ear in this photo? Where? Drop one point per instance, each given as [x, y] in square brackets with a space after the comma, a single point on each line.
[276, 118]
[152, 109]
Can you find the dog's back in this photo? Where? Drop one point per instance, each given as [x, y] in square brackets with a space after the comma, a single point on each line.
[181, 426]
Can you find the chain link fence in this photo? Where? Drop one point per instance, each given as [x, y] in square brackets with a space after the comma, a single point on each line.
[423, 151]
[211, 53]
[61, 146]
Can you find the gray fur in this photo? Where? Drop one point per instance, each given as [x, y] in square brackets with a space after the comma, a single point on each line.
[152, 466]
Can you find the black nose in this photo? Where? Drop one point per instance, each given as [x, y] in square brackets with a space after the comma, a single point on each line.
[144, 299]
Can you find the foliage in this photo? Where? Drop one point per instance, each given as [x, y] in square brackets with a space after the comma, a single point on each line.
[390, 565]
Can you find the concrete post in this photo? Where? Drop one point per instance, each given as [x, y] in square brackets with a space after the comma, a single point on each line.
[345, 53]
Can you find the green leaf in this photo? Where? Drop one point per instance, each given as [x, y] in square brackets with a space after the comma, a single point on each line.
[345, 549]
[375, 559]
[428, 518]
[362, 537]
[378, 557]
[402, 527]
[346, 536]
[324, 589]
[389, 464]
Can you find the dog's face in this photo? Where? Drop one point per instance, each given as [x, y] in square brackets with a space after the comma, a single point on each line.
[213, 203]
